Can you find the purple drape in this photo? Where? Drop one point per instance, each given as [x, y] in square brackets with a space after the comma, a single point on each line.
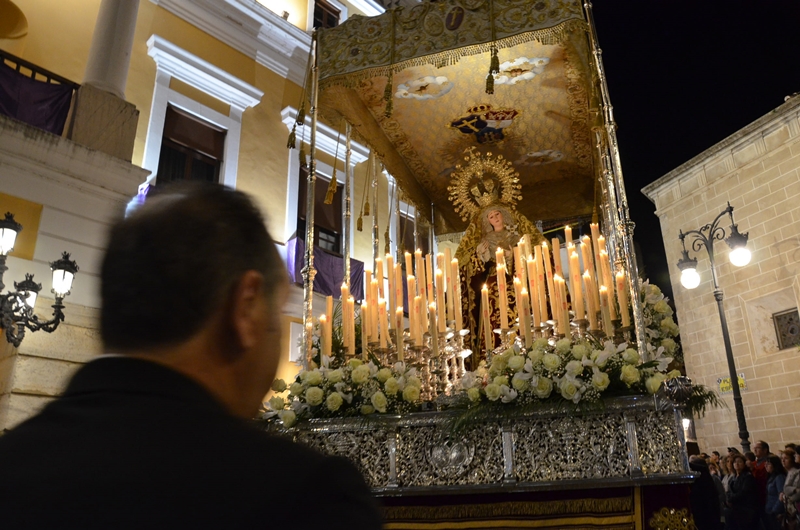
[330, 270]
[43, 105]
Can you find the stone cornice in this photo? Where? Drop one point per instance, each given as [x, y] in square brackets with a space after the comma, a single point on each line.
[753, 131]
[327, 138]
[201, 74]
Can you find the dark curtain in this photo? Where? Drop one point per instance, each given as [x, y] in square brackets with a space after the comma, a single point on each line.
[330, 270]
[43, 105]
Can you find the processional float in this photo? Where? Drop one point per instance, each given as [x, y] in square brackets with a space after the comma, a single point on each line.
[484, 110]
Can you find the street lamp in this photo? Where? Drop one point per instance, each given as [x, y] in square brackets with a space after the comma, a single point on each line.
[16, 308]
[739, 256]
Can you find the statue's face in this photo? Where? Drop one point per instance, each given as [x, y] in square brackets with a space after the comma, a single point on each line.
[496, 220]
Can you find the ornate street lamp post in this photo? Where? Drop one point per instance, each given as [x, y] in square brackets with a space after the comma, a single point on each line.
[739, 256]
[16, 308]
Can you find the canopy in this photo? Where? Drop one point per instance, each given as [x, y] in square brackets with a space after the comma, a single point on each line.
[436, 57]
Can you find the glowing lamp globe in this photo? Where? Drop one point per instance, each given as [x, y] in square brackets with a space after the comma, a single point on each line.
[690, 278]
[740, 256]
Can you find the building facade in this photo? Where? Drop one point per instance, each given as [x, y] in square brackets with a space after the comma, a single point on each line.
[757, 171]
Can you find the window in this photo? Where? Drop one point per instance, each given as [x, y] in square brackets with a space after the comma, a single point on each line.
[325, 15]
[328, 218]
[407, 236]
[191, 149]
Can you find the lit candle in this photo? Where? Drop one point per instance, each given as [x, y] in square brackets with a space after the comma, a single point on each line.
[373, 311]
[440, 261]
[534, 290]
[604, 309]
[456, 279]
[367, 284]
[485, 312]
[419, 271]
[588, 282]
[384, 332]
[433, 330]
[595, 243]
[409, 269]
[429, 278]
[391, 294]
[379, 276]
[323, 324]
[364, 329]
[608, 280]
[500, 257]
[351, 325]
[412, 289]
[517, 293]
[557, 257]
[412, 317]
[564, 307]
[548, 267]
[622, 296]
[440, 304]
[398, 286]
[345, 292]
[398, 322]
[568, 234]
[526, 313]
[502, 296]
[555, 304]
[448, 281]
[517, 262]
[329, 308]
[576, 284]
[422, 318]
[588, 265]
[541, 282]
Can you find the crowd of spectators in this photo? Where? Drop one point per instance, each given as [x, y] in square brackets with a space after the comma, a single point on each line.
[756, 490]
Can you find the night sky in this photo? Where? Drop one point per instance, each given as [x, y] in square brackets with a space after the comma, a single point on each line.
[685, 75]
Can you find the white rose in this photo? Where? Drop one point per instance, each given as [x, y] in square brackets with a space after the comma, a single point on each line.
[414, 381]
[367, 409]
[314, 378]
[600, 357]
[519, 382]
[663, 307]
[653, 383]
[276, 403]
[474, 394]
[314, 396]
[629, 375]
[296, 389]
[383, 375]
[334, 376]
[563, 346]
[411, 393]
[501, 380]
[540, 344]
[543, 388]
[673, 374]
[498, 365]
[288, 417]
[354, 363]
[669, 345]
[378, 401]
[391, 386]
[535, 356]
[668, 326]
[506, 355]
[600, 380]
[334, 401]
[279, 385]
[551, 361]
[516, 362]
[631, 356]
[574, 368]
[360, 374]
[567, 388]
[579, 351]
[492, 391]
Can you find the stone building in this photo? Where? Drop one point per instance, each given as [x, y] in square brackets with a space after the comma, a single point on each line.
[757, 170]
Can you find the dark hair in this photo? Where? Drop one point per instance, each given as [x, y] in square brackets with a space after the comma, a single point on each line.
[750, 455]
[763, 444]
[171, 264]
[777, 465]
[740, 456]
[791, 445]
[715, 453]
[791, 453]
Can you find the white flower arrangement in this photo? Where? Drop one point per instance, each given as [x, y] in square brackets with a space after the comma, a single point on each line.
[662, 331]
[353, 389]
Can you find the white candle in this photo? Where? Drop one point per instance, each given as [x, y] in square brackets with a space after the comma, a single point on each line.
[608, 280]
[364, 329]
[500, 257]
[419, 271]
[622, 296]
[379, 276]
[390, 275]
[568, 234]
[541, 283]
[517, 262]
[373, 311]
[525, 319]
[548, 267]
[557, 269]
[502, 296]
[398, 286]
[384, 332]
[485, 312]
[533, 289]
[429, 278]
[604, 309]
[456, 300]
[398, 316]
[588, 282]
[433, 330]
[409, 269]
[351, 325]
[440, 304]
[576, 284]
[323, 324]
[588, 265]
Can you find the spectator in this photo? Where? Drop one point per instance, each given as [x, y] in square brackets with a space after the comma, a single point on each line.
[791, 488]
[741, 512]
[728, 473]
[775, 484]
[750, 460]
[715, 457]
[759, 469]
[156, 432]
[703, 496]
[713, 469]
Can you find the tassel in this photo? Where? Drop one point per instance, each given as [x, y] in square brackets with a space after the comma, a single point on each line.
[303, 161]
[360, 224]
[387, 97]
[291, 143]
[490, 84]
[331, 189]
[366, 208]
[301, 116]
[494, 64]
[387, 248]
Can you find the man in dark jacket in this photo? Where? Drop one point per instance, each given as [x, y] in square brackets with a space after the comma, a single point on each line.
[741, 512]
[155, 432]
[703, 496]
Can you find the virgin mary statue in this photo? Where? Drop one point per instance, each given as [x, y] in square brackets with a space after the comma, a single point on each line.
[486, 190]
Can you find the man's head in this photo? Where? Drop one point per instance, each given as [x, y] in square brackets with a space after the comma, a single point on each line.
[195, 260]
[761, 449]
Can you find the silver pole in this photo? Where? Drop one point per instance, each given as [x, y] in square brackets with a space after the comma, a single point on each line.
[347, 175]
[624, 225]
[308, 270]
[375, 235]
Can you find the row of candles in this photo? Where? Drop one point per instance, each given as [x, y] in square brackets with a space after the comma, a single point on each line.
[431, 306]
[538, 273]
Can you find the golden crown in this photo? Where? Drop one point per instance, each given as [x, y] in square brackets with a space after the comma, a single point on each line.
[481, 181]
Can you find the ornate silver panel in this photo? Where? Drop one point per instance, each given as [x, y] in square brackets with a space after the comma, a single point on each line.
[570, 447]
[660, 449]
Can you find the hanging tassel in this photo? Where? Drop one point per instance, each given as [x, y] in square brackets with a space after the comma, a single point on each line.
[360, 224]
[331, 189]
[366, 208]
[291, 143]
[301, 115]
[490, 84]
[303, 161]
[387, 249]
[387, 96]
[494, 64]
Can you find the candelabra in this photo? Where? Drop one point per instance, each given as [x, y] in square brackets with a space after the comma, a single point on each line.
[16, 308]
[739, 256]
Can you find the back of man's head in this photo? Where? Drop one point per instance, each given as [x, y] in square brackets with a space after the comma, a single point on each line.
[173, 262]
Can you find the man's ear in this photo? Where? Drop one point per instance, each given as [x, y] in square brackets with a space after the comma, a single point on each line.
[247, 309]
